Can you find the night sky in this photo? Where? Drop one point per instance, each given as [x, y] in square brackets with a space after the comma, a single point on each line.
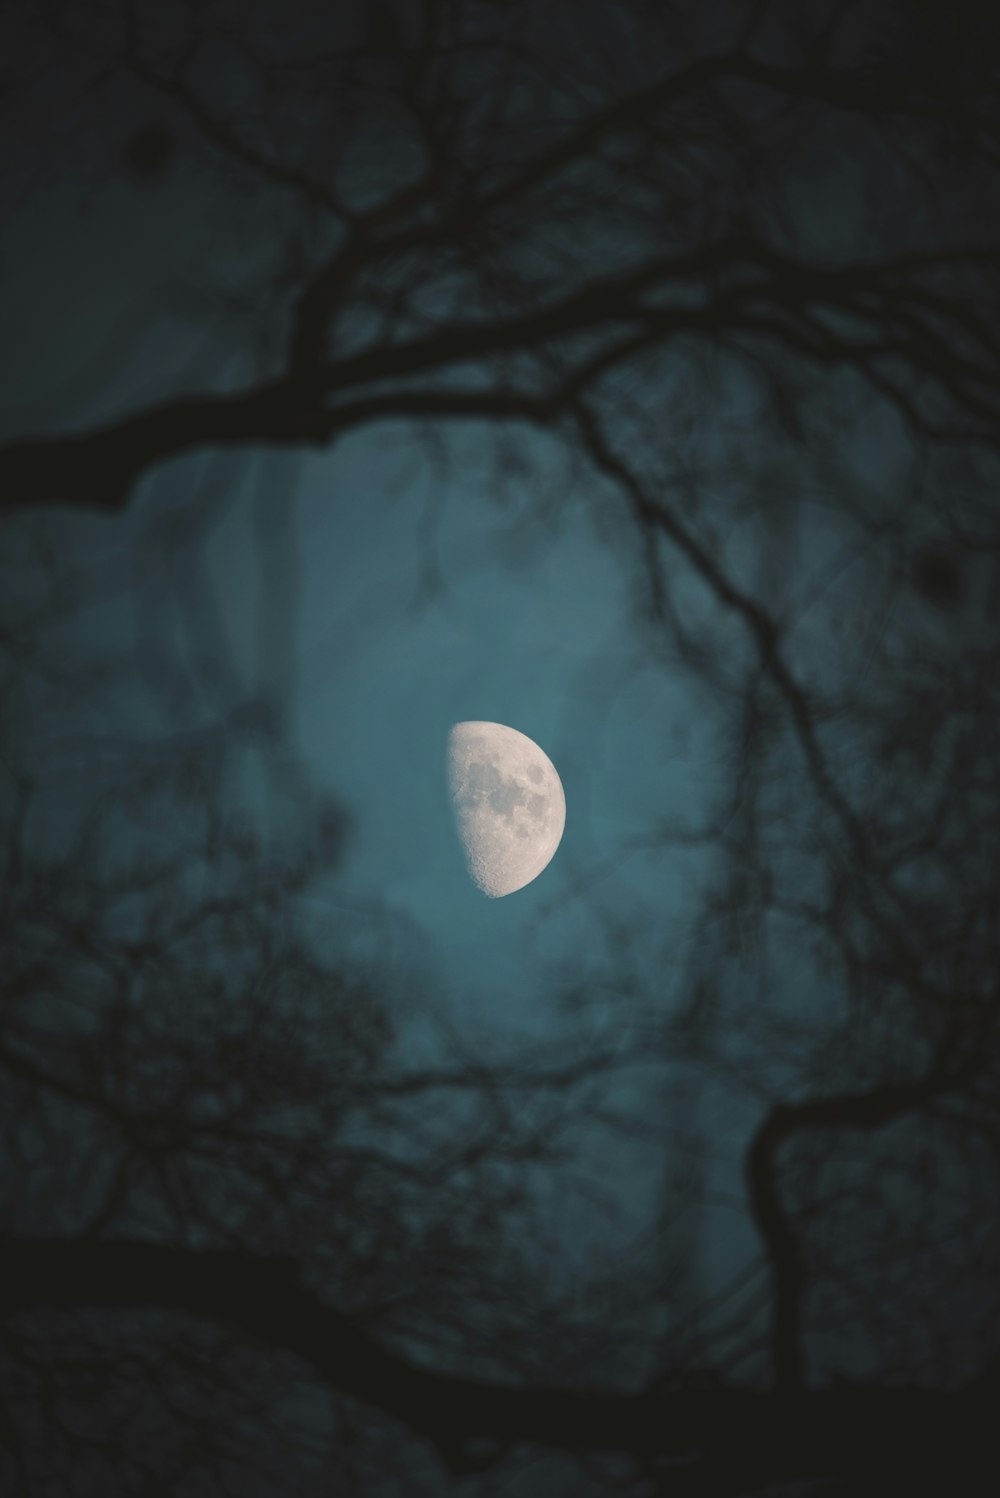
[756, 631]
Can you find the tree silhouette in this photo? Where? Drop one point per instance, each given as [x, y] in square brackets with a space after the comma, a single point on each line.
[739, 264]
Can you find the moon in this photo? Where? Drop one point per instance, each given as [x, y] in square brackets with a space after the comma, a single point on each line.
[509, 805]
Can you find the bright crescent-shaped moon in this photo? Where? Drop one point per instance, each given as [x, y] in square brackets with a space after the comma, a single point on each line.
[509, 804]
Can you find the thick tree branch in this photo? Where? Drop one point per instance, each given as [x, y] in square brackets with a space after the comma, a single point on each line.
[263, 1299]
[860, 1110]
[736, 288]
[98, 470]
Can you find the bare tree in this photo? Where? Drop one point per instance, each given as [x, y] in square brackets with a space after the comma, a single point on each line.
[740, 264]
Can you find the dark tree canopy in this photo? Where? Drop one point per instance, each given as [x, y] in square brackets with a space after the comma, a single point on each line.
[724, 276]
